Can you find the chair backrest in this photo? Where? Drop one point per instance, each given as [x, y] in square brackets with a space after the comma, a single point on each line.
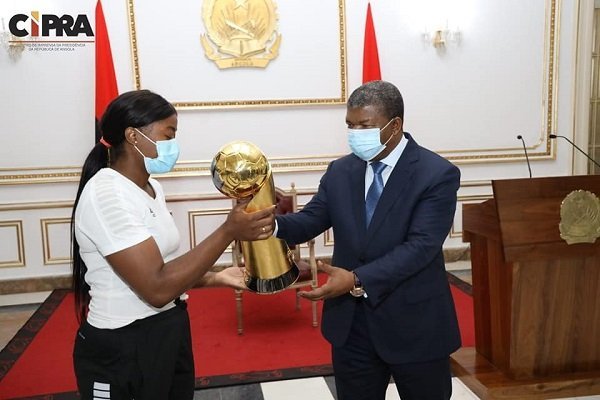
[285, 201]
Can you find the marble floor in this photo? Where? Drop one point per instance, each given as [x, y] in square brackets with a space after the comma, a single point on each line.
[15, 310]
[309, 388]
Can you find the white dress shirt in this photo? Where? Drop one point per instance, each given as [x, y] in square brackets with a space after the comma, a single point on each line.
[390, 162]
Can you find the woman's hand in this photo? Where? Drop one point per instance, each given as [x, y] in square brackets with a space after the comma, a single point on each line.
[232, 277]
[248, 226]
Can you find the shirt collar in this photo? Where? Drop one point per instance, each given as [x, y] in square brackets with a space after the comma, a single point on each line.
[392, 159]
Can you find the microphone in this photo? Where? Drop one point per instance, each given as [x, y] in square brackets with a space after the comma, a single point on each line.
[526, 155]
[574, 145]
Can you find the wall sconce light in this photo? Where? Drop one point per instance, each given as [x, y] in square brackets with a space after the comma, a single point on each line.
[439, 38]
[11, 44]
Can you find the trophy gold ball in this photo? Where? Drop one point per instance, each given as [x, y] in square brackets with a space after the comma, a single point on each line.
[240, 170]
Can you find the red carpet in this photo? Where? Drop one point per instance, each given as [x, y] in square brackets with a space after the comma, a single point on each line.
[278, 342]
[466, 317]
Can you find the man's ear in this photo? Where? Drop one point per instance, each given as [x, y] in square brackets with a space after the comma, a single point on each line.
[397, 124]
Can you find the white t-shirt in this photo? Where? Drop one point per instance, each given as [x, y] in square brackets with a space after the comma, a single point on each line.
[114, 214]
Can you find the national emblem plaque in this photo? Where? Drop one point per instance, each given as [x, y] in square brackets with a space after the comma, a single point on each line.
[580, 217]
[240, 33]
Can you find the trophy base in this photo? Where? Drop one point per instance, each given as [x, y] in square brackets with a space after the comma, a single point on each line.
[273, 285]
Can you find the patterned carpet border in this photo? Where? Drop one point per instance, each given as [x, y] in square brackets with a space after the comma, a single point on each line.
[464, 287]
[263, 376]
[18, 344]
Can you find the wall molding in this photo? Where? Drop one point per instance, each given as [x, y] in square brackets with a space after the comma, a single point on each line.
[46, 223]
[20, 242]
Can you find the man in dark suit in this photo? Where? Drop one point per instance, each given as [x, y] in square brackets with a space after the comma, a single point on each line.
[388, 309]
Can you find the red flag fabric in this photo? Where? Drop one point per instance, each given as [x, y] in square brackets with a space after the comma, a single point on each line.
[106, 82]
[371, 71]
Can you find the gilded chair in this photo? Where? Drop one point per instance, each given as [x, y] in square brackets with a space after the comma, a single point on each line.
[285, 202]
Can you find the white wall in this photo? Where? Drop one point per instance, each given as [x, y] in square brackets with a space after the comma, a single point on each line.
[467, 102]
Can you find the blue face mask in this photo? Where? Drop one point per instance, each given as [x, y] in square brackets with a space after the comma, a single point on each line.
[366, 143]
[168, 153]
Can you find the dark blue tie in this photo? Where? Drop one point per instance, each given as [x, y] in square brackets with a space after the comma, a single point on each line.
[374, 190]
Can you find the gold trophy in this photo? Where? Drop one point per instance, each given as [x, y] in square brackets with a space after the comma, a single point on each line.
[241, 170]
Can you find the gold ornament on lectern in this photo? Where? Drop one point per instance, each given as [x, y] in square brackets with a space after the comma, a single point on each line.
[240, 33]
[580, 217]
[241, 170]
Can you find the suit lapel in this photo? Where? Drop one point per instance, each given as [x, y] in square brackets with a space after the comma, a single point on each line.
[396, 185]
[357, 185]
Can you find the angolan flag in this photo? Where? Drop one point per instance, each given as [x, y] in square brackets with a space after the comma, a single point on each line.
[106, 82]
[371, 71]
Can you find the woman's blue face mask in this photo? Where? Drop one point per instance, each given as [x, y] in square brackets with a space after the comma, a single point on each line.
[168, 153]
[366, 143]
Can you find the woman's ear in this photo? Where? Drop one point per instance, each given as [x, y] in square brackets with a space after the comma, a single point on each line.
[131, 135]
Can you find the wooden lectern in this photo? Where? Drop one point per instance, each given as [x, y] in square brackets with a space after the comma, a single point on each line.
[536, 298]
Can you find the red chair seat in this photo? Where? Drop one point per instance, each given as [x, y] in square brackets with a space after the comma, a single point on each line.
[305, 271]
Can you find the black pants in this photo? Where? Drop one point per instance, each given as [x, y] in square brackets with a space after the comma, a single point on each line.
[360, 374]
[147, 359]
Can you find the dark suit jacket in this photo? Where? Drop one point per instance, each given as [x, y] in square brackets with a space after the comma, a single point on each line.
[398, 259]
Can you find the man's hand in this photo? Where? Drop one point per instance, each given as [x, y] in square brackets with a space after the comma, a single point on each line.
[340, 281]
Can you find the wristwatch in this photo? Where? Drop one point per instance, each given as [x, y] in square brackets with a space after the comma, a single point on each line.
[357, 290]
